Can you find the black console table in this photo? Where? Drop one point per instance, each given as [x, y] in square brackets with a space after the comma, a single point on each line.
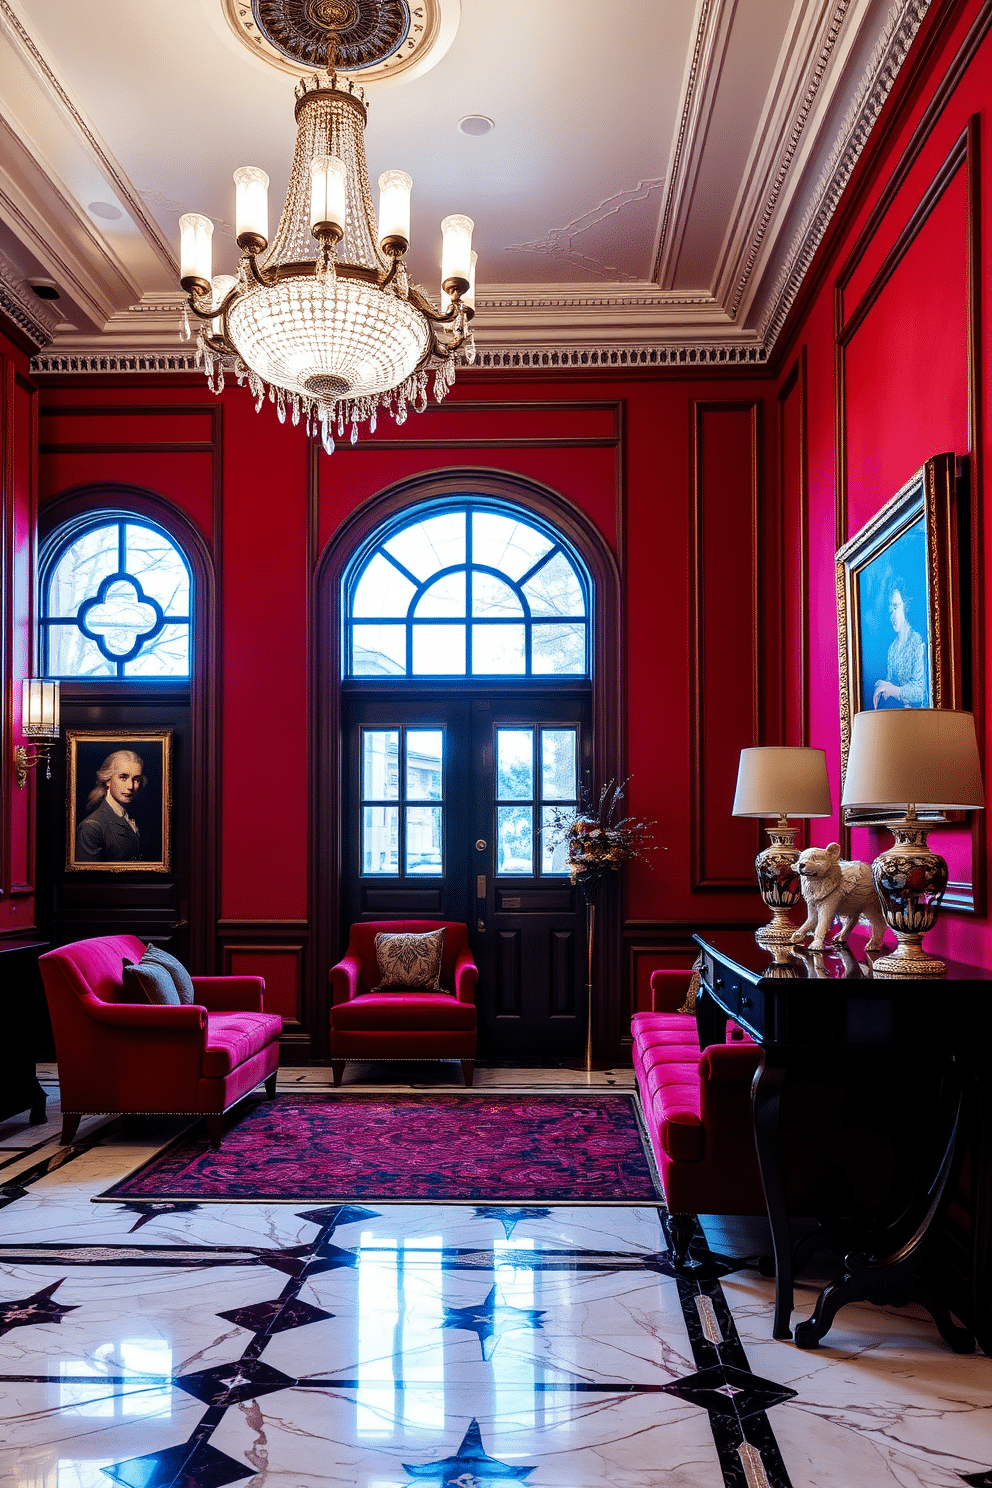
[822, 1017]
[21, 1009]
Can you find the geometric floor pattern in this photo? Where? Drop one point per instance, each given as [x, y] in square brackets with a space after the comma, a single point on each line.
[189, 1346]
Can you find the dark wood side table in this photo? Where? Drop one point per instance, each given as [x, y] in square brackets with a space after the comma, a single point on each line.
[21, 1017]
[823, 1016]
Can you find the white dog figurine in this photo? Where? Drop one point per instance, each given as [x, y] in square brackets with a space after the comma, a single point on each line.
[835, 887]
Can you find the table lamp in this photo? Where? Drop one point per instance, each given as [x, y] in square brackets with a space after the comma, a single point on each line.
[781, 781]
[912, 759]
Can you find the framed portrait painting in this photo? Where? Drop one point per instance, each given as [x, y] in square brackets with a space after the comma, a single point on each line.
[119, 800]
[898, 607]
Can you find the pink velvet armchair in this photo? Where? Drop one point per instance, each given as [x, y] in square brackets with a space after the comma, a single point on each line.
[134, 1058]
[371, 1025]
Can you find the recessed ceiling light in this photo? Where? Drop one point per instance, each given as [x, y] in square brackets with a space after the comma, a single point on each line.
[104, 209]
[45, 289]
[476, 124]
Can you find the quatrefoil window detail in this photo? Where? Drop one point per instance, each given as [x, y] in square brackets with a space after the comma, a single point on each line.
[116, 601]
[120, 617]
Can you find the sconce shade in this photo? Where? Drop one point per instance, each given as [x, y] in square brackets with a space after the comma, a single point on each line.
[782, 781]
[927, 757]
[39, 709]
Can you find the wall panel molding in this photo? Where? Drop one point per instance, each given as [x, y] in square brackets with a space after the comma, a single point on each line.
[724, 657]
[276, 950]
[794, 620]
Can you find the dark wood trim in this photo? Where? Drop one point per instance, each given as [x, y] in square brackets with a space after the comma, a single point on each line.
[204, 690]
[699, 880]
[922, 55]
[134, 447]
[26, 889]
[122, 410]
[964, 152]
[327, 814]
[283, 938]
[796, 382]
[292, 929]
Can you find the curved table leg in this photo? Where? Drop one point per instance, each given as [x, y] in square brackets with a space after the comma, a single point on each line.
[766, 1099]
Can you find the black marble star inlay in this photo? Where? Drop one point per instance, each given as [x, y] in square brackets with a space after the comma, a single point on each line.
[509, 1218]
[276, 1316]
[729, 1391]
[193, 1464]
[471, 1464]
[229, 1384]
[38, 1308]
[338, 1214]
[490, 1320]
[978, 1479]
[148, 1211]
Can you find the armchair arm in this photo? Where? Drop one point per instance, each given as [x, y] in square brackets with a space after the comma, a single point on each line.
[669, 986]
[344, 978]
[230, 994]
[726, 1064]
[143, 1017]
[466, 977]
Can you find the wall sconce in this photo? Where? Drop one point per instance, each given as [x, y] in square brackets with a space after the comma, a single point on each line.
[39, 724]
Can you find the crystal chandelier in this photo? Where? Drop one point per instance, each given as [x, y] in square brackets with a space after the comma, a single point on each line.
[324, 322]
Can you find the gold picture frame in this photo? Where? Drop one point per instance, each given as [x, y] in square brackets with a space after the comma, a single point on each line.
[898, 608]
[118, 800]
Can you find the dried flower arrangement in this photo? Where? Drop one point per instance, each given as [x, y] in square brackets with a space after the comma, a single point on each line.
[599, 843]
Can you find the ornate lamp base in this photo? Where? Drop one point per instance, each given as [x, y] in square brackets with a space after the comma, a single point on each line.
[778, 881]
[910, 880]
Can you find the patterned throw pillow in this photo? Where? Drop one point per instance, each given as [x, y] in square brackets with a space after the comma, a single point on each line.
[410, 962]
[148, 982]
[181, 978]
[689, 1006]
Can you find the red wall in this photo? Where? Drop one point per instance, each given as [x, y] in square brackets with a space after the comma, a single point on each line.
[888, 359]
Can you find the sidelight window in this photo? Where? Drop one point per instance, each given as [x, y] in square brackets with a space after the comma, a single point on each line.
[116, 602]
[536, 784]
[468, 591]
[402, 802]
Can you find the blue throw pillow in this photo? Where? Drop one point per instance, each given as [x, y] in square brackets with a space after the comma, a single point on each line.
[182, 981]
[148, 982]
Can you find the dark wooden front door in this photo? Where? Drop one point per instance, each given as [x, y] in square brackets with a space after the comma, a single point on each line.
[451, 798]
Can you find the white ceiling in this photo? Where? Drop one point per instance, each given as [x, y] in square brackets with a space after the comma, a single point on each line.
[659, 173]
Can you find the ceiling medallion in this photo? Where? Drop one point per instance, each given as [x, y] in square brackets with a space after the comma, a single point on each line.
[378, 38]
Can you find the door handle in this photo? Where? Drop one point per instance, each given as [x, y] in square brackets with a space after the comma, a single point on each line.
[480, 894]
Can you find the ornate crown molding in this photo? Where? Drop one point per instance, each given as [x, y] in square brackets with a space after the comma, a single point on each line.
[22, 307]
[902, 24]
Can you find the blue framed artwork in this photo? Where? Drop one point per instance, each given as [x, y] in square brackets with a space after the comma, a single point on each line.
[898, 609]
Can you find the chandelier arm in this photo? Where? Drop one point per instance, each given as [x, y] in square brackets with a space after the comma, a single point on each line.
[393, 271]
[259, 275]
[427, 310]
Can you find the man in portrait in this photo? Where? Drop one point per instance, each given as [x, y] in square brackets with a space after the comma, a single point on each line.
[108, 833]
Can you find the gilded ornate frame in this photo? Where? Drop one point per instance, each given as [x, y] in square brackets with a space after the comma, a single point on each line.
[113, 739]
[930, 498]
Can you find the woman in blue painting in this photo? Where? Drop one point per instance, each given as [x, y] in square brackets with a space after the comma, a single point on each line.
[906, 675]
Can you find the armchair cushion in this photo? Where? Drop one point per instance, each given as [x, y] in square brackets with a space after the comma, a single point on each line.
[177, 971]
[234, 1038]
[410, 961]
[149, 982]
[404, 1011]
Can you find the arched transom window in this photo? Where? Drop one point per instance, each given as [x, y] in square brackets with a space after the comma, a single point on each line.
[115, 602]
[467, 591]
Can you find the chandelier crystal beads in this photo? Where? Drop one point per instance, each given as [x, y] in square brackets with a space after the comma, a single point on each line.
[323, 321]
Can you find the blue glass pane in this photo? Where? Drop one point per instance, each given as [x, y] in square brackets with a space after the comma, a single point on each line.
[165, 656]
[514, 764]
[71, 654]
[504, 543]
[445, 597]
[559, 650]
[80, 570]
[378, 650]
[120, 618]
[380, 840]
[424, 845]
[426, 547]
[558, 777]
[555, 589]
[382, 590]
[492, 599]
[424, 761]
[380, 764]
[439, 650]
[498, 650]
[515, 840]
[159, 568]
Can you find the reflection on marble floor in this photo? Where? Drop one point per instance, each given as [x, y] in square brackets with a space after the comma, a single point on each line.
[196, 1345]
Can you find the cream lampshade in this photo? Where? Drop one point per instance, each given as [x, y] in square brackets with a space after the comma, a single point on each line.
[781, 781]
[912, 759]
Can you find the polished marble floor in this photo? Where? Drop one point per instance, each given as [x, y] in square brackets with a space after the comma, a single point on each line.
[192, 1346]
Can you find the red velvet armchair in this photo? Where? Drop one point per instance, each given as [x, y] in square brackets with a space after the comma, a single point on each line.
[134, 1058]
[370, 1025]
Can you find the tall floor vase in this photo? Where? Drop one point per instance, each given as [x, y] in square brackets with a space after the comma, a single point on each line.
[589, 892]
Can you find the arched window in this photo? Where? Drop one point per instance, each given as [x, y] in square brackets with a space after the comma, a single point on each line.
[471, 589]
[116, 597]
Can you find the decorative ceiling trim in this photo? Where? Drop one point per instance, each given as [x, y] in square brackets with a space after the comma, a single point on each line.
[22, 307]
[414, 34]
[787, 154]
[902, 24]
[564, 357]
[113, 173]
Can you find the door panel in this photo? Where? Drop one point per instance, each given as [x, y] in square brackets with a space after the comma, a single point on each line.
[450, 799]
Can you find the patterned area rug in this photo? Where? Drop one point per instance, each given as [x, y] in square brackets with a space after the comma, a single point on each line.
[585, 1149]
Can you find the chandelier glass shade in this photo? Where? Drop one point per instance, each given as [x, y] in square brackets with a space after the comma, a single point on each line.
[324, 321]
